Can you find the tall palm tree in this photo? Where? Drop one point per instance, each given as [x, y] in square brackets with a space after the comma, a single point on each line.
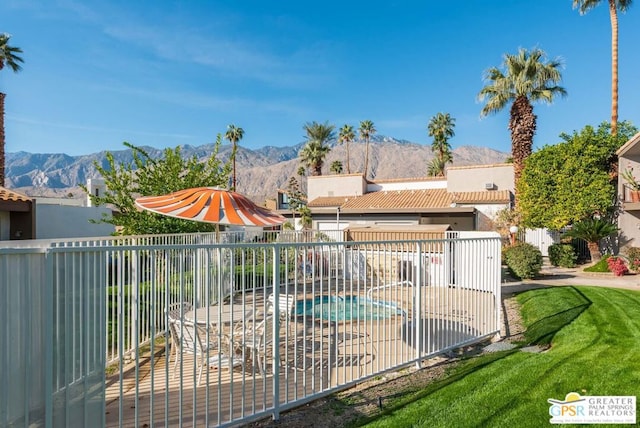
[614, 6]
[346, 136]
[440, 127]
[316, 149]
[233, 135]
[8, 56]
[366, 131]
[528, 77]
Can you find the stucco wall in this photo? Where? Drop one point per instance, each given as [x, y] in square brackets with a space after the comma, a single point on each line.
[629, 219]
[335, 185]
[61, 221]
[407, 185]
[475, 178]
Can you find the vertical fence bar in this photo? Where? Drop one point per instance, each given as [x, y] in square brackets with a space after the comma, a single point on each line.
[417, 306]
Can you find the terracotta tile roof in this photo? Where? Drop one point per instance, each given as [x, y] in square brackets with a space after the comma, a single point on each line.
[482, 197]
[401, 199]
[425, 199]
[329, 201]
[9, 195]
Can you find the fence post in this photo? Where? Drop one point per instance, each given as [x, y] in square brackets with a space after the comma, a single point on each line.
[276, 331]
[48, 338]
[417, 306]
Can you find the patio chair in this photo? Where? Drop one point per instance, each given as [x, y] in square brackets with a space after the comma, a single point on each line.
[193, 341]
[286, 305]
[175, 312]
[256, 341]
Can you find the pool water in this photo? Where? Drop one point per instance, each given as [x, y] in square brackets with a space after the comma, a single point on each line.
[345, 308]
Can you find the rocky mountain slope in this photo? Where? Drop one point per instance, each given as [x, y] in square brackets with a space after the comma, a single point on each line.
[260, 172]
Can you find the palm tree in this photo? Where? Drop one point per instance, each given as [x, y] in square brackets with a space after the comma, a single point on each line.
[336, 167]
[346, 136]
[436, 167]
[233, 135]
[614, 6]
[316, 149]
[366, 131]
[302, 173]
[8, 56]
[440, 127]
[592, 230]
[306, 219]
[527, 78]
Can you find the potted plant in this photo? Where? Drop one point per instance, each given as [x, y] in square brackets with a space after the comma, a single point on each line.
[632, 183]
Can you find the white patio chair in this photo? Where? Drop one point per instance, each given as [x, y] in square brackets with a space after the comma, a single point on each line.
[193, 341]
[175, 312]
[286, 305]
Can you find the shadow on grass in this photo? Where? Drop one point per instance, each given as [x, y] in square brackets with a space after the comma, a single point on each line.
[544, 330]
[541, 332]
[392, 402]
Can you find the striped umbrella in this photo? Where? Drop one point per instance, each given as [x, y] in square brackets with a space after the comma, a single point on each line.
[211, 205]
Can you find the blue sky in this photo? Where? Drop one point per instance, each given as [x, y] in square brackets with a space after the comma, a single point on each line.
[168, 73]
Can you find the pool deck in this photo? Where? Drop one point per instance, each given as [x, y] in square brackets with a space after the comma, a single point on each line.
[316, 355]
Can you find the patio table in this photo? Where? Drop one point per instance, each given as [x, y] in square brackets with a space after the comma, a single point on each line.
[226, 314]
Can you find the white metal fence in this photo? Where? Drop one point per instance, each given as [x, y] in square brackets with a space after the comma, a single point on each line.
[86, 325]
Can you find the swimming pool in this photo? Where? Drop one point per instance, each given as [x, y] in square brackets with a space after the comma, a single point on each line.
[345, 308]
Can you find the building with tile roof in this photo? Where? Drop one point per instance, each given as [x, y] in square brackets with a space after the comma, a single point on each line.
[467, 199]
[16, 215]
[23, 217]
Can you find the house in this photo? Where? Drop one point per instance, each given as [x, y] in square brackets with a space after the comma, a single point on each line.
[629, 218]
[467, 199]
[24, 217]
[17, 220]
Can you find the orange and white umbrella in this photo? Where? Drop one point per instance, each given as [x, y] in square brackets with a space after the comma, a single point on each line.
[211, 205]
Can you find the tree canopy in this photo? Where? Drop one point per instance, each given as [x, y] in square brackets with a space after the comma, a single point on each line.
[147, 176]
[569, 181]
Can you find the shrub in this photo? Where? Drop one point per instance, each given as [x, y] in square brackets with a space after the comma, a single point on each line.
[563, 255]
[523, 260]
[617, 265]
[633, 253]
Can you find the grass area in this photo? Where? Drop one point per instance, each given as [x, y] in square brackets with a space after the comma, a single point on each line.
[594, 335]
[600, 266]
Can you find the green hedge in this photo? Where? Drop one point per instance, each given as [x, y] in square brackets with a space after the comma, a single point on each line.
[523, 260]
[563, 255]
[257, 275]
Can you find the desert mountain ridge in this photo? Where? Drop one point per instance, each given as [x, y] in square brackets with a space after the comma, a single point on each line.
[260, 172]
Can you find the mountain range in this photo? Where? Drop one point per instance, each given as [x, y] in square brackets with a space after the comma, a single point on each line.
[260, 172]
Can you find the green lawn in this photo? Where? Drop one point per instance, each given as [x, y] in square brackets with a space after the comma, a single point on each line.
[595, 350]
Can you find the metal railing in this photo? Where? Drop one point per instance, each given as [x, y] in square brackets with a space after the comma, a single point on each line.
[87, 335]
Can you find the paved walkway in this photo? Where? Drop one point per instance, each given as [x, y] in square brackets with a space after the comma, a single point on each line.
[552, 276]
